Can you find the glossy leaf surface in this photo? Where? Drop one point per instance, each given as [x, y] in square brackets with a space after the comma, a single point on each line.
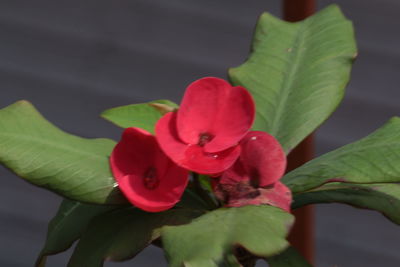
[384, 198]
[297, 72]
[210, 238]
[144, 115]
[44, 155]
[373, 159]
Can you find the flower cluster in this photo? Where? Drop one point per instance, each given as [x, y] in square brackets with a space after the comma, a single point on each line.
[209, 134]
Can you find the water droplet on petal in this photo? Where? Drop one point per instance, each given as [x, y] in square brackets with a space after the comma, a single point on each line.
[211, 155]
[253, 138]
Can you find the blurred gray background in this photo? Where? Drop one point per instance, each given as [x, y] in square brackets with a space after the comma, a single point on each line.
[73, 59]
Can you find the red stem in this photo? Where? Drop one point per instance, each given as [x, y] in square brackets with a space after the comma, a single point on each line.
[302, 234]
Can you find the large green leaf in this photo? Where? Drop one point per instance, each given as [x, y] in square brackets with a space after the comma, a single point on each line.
[143, 115]
[42, 154]
[68, 225]
[297, 72]
[384, 198]
[121, 234]
[373, 159]
[211, 238]
[288, 258]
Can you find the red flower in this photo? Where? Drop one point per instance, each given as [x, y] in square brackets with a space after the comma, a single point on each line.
[203, 135]
[146, 176]
[254, 178]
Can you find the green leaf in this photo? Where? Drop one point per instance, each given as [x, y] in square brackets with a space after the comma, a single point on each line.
[121, 234]
[42, 154]
[297, 72]
[68, 225]
[373, 159]
[288, 258]
[205, 181]
[228, 261]
[384, 198]
[191, 200]
[143, 115]
[211, 238]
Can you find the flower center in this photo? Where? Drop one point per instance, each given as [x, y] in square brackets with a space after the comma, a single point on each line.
[254, 178]
[205, 138]
[150, 180]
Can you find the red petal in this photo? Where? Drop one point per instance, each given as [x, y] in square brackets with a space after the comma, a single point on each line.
[164, 197]
[134, 153]
[234, 175]
[212, 106]
[138, 151]
[210, 163]
[262, 157]
[242, 194]
[278, 196]
[189, 156]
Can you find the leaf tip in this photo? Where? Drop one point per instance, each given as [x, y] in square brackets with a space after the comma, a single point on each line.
[23, 102]
[162, 108]
[41, 261]
[233, 75]
[23, 106]
[334, 8]
[107, 115]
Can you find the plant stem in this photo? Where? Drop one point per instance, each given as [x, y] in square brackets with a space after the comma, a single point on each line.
[202, 192]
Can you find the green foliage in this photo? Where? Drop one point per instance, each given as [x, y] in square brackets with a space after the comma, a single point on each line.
[297, 72]
[384, 198]
[205, 182]
[143, 115]
[42, 154]
[68, 225]
[121, 234]
[211, 238]
[373, 159]
[191, 200]
[288, 258]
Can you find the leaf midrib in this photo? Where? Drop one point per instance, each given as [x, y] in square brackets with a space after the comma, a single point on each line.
[292, 64]
[53, 144]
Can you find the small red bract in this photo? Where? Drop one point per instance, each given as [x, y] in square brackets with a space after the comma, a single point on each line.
[146, 176]
[203, 135]
[254, 178]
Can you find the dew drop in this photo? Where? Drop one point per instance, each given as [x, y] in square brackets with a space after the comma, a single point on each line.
[211, 155]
